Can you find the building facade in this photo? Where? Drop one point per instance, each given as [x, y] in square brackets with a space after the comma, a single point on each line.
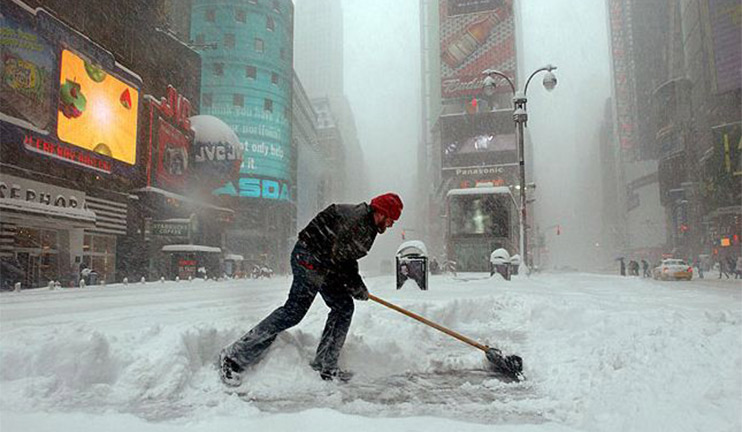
[460, 40]
[318, 60]
[246, 81]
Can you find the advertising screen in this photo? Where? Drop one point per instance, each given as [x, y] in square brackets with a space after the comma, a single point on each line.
[725, 23]
[172, 156]
[475, 35]
[26, 74]
[478, 140]
[97, 111]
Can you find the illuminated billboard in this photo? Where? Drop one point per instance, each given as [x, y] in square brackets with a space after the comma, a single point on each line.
[26, 71]
[97, 111]
[248, 86]
[475, 35]
[479, 140]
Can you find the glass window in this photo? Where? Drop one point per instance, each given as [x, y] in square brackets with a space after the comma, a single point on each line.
[206, 99]
[259, 45]
[87, 243]
[274, 78]
[210, 15]
[219, 69]
[238, 100]
[268, 105]
[200, 39]
[270, 24]
[483, 215]
[229, 40]
[251, 72]
[27, 238]
[276, 6]
[48, 240]
[240, 16]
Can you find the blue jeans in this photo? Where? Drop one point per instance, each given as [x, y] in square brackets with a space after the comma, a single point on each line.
[309, 279]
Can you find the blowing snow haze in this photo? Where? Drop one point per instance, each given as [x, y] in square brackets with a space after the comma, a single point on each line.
[200, 228]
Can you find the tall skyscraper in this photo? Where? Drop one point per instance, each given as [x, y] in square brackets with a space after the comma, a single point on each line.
[318, 61]
[318, 47]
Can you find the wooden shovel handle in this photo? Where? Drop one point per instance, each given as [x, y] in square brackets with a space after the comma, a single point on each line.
[426, 321]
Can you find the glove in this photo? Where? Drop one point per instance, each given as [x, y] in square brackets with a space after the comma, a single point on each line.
[359, 292]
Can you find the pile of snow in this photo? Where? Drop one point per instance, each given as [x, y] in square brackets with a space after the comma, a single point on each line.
[601, 353]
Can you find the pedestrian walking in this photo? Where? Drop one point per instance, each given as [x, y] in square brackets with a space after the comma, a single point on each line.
[722, 268]
[738, 273]
[325, 261]
[623, 266]
[699, 266]
[645, 267]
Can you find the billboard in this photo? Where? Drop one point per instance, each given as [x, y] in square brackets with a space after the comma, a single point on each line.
[97, 111]
[63, 97]
[27, 64]
[726, 44]
[475, 35]
[167, 131]
[248, 85]
[478, 140]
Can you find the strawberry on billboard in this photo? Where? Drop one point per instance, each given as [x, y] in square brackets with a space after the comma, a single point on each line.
[475, 35]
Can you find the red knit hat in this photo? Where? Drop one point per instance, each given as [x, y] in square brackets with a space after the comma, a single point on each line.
[388, 204]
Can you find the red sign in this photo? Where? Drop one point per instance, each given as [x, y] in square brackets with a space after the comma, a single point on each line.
[170, 137]
[66, 152]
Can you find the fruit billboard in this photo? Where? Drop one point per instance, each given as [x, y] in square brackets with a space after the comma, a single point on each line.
[97, 111]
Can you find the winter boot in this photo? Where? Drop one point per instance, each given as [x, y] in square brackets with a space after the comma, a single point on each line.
[229, 371]
[329, 374]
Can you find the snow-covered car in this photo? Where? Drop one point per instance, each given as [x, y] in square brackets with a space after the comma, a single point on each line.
[673, 269]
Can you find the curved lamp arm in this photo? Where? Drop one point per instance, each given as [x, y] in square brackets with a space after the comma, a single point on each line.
[548, 68]
[498, 73]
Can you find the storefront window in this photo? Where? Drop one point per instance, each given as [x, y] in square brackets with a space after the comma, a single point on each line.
[99, 255]
[27, 238]
[48, 240]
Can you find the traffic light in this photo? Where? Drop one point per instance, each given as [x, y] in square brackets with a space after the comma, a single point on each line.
[403, 236]
[473, 106]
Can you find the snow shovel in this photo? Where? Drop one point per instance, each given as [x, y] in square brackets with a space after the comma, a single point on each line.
[510, 366]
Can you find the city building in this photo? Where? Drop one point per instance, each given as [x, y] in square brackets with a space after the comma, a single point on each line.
[103, 136]
[637, 31]
[459, 41]
[677, 76]
[318, 60]
[246, 80]
[313, 161]
[696, 120]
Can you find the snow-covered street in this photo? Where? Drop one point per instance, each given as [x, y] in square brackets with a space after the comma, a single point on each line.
[601, 353]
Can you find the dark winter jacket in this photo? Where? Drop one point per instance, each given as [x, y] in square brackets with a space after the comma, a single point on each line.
[338, 237]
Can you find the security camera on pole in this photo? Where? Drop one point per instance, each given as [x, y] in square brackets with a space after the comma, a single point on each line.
[520, 116]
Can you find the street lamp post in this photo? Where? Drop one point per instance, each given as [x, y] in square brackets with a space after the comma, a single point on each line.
[520, 116]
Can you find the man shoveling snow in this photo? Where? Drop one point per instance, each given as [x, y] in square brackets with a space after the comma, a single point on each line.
[325, 261]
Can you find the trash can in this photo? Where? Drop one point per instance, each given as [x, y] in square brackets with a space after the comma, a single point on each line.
[500, 263]
[92, 278]
[412, 263]
[514, 264]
